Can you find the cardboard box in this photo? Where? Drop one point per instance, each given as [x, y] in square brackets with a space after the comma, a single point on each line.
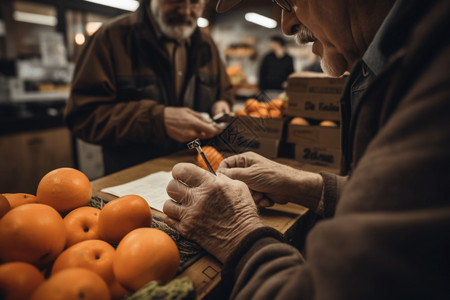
[266, 128]
[314, 95]
[312, 154]
[265, 147]
[329, 137]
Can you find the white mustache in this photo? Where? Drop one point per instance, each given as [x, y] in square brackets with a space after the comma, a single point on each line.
[304, 35]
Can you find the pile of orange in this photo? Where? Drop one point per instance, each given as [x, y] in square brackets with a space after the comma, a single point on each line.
[306, 122]
[54, 246]
[258, 109]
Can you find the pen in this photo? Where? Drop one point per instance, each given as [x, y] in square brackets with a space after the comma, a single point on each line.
[196, 144]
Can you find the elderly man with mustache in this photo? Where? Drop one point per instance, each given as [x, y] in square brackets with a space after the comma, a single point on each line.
[142, 80]
[385, 227]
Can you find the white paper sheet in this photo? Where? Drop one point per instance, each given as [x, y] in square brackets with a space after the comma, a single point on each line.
[152, 188]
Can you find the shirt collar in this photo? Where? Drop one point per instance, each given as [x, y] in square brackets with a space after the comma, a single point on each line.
[374, 58]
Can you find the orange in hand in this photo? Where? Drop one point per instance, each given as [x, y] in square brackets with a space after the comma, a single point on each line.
[213, 155]
[81, 224]
[95, 255]
[32, 233]
[122, 215]
[144, 255]
[18, 280]
[73, 284]
[64, 189]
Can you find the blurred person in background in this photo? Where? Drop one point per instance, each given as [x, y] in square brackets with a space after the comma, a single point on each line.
[276, 66]
[142, 80]
[313, 64]
[385, 226]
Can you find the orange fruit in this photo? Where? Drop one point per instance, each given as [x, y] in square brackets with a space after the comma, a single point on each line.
[81, 224]
[240, 113]
[328, 123]
[275, 113]
[263, 105]
[299, 121]
[17, 199]
[144, 255]
[254, 114]
[213, 155]
[73, 284]
[263, 112]
[117, 291]
[95, 255]
[251, 105]
[122, 215]
[276, 103]
[32, 233]
[64, 189]
[5, 206]
[18, 280]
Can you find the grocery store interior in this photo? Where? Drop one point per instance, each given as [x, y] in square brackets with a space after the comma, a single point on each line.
[40, 41]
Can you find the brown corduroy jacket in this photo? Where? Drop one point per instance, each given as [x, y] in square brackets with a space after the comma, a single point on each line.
[123, 80]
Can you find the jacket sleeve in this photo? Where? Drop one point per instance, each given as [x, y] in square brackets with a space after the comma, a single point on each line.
[93, 112]
[264, 267]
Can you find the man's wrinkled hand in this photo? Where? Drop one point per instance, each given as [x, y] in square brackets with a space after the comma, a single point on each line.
[184, 124]
[214, 211]
[272, 182]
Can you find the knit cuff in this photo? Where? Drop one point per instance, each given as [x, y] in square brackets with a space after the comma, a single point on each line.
[249, 246]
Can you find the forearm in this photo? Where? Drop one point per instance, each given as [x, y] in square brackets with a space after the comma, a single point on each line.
[319, 192]
[304, 188]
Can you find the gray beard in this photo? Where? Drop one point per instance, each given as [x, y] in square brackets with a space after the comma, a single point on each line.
[175, 32]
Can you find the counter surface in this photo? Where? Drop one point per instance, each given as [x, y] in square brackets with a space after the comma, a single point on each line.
[205, 272]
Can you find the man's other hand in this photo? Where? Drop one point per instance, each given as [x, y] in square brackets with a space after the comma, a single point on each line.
[184, 124]
[271, 182]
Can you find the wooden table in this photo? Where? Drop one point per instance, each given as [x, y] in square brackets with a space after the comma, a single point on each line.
[289, 219]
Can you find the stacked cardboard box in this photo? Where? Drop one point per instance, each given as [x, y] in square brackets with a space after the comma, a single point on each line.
[315, 97]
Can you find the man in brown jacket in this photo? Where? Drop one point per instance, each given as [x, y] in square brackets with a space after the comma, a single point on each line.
[386, 227]
[142, 80]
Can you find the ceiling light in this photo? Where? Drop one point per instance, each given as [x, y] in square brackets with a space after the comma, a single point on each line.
[21, 16]
[261, 20]
[92, 27]
[130, 5]
[202, 22]
[80, 39]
